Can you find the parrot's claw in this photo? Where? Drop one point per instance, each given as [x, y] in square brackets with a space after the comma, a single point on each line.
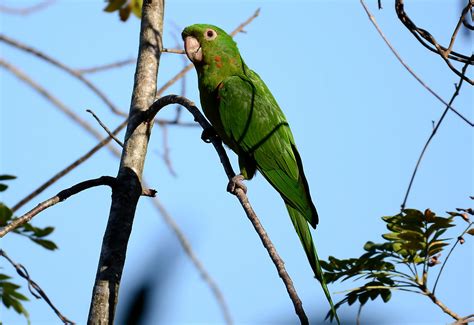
[208, 133]
[236, 182]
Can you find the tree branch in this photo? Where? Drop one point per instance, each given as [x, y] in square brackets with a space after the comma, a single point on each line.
[105, 67]
[399, 58]
[128, 189]
[435, 129]
[66, 170]
[24, 11]
[239, 193]
[34, 288]
[61, 196]
[63, 67]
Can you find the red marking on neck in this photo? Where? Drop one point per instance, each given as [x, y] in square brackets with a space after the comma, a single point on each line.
[218, 58]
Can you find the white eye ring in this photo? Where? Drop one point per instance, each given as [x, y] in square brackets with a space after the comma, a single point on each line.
[210, 34]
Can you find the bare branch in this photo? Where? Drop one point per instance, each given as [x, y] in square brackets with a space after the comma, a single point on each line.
[66, 170]
[61, 196]
[438, 303]
[175, 51]
[456, 92]
[241, 27]
[106, 129]
[449, 254]
[63, 67]
[105, 67]
[425, 38]
[239, 193]
[166, 150]
[24, 11]
[55, 101]
[34, 288]
[394, 51]
[127, 192]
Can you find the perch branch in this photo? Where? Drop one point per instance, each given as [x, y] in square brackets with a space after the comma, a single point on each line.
[410, 70]
[435, 129]
[438, 303]
[34, 288]
[239, 193]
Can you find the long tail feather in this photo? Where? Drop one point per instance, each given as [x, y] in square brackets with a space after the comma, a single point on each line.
[302, 228]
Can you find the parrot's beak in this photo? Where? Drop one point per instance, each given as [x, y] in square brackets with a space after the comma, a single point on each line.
[193, 49]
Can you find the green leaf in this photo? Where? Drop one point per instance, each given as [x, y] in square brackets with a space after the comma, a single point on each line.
[43, 232]
[5, 214]
[114, 5]
[4, 277]
[470, 232]
[351, 298]
[48, 244]
[124, 12]
[19, 296]
[3, 187]
[386, 295]
[363, 297]
[137, 7]
[6, 177]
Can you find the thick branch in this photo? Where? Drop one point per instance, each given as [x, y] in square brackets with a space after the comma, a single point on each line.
[128, 189]
[239, 193]
[61, 196]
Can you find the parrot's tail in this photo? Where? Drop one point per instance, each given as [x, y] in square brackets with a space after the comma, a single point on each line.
[302, 228]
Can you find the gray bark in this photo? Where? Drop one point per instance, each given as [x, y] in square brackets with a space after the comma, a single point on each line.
[127, 192]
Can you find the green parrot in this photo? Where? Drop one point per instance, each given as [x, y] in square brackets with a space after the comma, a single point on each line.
[247, 118]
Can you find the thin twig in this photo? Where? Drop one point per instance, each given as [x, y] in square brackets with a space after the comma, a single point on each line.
[66, 170]
[175, 51]
[51, 98]
[239, 193]
[361, 305]
[438, 303]
[423, 35]
[410, 70]
[449, 254]
[456, 92]
[106, 129]
[61, 196]
[24, 11]
[63, 67]
[34, 288]
[105, 67]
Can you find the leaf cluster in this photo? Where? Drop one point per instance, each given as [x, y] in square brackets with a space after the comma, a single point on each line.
[125, 8]
[9, 290]
[414, 239]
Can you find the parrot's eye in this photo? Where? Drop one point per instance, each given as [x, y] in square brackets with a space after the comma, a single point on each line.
[210, 34]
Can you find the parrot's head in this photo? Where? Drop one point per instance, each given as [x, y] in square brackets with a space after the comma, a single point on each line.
[208, 45]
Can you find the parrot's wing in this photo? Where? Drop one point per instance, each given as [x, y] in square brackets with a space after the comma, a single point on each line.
[257, 127]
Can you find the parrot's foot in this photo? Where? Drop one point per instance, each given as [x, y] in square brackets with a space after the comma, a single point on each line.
[207, 134]
[236, 182]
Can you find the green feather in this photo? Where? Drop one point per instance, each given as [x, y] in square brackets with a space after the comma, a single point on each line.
[248, 119]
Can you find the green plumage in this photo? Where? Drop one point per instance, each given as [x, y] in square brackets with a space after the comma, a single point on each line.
[247, 117]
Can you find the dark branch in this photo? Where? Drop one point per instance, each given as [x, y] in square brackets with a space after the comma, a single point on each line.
[435, 129]
[34, 288]
[239, 193]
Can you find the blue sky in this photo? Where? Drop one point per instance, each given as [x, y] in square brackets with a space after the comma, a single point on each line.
[359, 120]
